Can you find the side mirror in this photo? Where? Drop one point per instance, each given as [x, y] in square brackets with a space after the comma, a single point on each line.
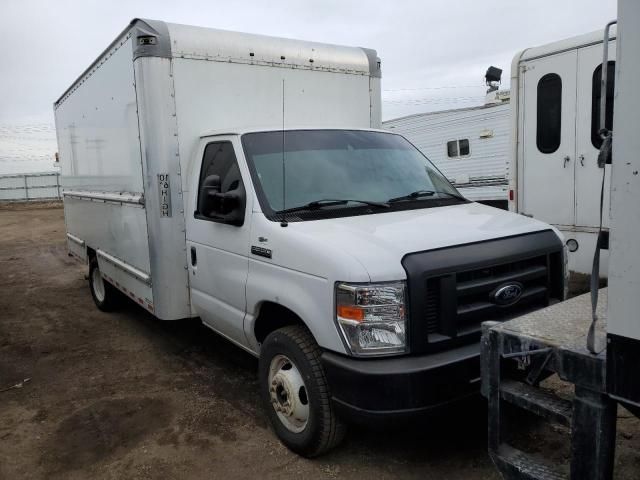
[225, 207]
[210, 186]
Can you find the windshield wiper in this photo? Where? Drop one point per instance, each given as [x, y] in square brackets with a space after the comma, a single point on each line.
[423, 193]
[330, 202]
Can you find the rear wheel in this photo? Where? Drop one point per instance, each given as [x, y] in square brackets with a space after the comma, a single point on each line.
[105, 296]
[295, 392]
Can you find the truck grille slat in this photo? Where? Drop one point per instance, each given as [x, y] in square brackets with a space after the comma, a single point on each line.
[481, 285]
[453, 290]
[477, 307]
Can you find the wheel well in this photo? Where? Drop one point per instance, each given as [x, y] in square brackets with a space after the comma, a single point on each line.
[91, 254]
[273, 316]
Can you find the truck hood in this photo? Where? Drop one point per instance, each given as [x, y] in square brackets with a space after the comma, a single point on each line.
[380, 241]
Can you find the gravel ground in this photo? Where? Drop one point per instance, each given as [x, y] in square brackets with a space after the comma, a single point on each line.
[123, 395]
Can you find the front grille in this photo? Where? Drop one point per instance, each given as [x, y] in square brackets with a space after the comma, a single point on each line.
[474, 289]
[452, 291]
[469, 295]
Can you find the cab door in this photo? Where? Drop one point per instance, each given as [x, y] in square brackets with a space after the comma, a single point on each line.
[218, 250]
[588, 141]
[549, 138]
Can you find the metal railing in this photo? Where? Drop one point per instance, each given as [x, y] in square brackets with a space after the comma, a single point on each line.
[30, 186]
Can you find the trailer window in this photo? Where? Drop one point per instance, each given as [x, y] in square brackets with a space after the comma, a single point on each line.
[220, 159]
[464, 147]
[596, 96]
[458, 148]
[549, 115]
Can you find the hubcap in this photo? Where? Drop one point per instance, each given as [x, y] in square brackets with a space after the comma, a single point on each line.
[288, 394]
[98, 284]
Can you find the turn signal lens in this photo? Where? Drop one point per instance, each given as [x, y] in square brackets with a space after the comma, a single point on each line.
[351, 313]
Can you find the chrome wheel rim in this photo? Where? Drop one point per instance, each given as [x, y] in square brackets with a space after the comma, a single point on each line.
[288, 394]
[98, 284]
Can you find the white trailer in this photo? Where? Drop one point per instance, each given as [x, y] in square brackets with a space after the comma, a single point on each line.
[555, 108]
[470, 146]
[241, 179]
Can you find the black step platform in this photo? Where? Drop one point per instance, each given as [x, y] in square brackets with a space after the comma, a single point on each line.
[517, 355]
[517, 464]
[537, 400]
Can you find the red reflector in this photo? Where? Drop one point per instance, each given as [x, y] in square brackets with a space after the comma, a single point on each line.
[511, 195]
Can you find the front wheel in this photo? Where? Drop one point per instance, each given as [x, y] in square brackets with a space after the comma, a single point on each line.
[295, 392]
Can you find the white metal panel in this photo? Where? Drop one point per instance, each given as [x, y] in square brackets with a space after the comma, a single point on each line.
[624, 270]
[130, 285]
[163, 187]
[218, 96]
[588, 175]
[120, 230]
[375, 99]
[99, 146]
[97, 129]
[566, 44]
[483, 174]
[548, 178]
[224, 46]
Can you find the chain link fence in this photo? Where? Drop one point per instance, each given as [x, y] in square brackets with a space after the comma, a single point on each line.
[30, 186]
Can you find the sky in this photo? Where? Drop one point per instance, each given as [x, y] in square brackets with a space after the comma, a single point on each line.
[434, 53]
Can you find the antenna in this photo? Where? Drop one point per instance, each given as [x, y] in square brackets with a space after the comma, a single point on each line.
[283, 221]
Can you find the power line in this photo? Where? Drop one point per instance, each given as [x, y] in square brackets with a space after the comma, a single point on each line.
[421, 101]
[432, 88]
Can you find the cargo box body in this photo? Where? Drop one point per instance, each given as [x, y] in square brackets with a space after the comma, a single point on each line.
[128, 128]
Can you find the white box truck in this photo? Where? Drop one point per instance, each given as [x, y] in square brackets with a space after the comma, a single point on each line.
[334, 252]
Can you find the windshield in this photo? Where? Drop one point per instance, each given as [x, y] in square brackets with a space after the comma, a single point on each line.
[349, 165]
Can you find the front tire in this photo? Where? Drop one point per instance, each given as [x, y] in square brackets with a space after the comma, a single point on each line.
[295, 392]
[105, 296]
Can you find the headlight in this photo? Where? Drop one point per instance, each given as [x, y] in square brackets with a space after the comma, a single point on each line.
[372, 317]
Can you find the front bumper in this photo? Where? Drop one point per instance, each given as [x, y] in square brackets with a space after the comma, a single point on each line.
[401, 386]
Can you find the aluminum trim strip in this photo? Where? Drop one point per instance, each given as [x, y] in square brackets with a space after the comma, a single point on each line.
[131, 270]
[131, 198]
[75, 239]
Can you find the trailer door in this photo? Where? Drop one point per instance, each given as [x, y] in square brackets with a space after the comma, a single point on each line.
[549, 109]
[588, 175]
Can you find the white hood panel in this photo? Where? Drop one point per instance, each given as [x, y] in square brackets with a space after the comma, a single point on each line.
[380, 241]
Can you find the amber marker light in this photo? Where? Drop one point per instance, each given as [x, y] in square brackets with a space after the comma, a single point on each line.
[351, 313]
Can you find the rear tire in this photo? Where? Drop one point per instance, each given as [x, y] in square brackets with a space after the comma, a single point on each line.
[295, 392]
[105, 295]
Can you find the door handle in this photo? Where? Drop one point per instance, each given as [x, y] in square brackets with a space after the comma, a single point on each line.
[567, 159]
[194, 257]
[581, 157]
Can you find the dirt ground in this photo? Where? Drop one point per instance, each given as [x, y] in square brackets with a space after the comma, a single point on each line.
[125, 396]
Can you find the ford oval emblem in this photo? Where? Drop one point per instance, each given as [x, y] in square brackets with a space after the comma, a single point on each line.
[507, 294]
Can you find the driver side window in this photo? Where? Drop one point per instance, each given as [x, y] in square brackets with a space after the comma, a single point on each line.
[219, 160]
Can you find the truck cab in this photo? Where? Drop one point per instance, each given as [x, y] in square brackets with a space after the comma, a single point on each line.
[353, 239]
